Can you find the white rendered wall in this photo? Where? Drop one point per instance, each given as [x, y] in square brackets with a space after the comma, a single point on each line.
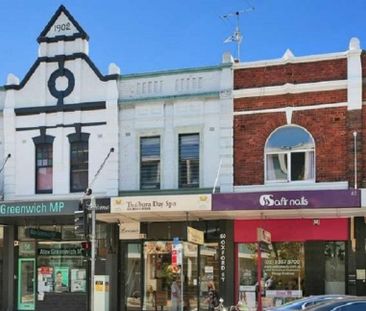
[20, 171]
[168, 112]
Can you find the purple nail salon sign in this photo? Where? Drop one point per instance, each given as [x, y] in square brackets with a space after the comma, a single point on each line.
[287, 200]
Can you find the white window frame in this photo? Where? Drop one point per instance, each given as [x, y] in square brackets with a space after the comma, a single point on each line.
[288, 153]
[140, 161]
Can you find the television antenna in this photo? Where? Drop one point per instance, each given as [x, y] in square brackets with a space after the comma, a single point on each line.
[236, 36]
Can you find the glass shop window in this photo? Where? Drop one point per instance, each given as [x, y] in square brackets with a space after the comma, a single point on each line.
[282, 273]
[61, 267]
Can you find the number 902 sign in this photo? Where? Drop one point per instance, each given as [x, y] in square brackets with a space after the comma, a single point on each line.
[62, 27]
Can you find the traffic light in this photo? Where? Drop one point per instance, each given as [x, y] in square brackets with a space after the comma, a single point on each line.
[86, 248]
[81, 220]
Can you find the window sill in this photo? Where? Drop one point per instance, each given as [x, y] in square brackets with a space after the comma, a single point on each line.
[288, 186]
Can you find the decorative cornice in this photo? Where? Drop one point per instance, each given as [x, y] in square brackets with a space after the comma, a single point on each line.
[174, 72]
[290, 60]
[285, 109]
[290, 88]
[33, 128]
[168, 97]
[57, 59]
[62, 108]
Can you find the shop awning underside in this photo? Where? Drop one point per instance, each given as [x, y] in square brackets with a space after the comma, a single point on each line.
[235, 214]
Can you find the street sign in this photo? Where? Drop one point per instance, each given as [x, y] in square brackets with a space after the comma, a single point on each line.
[263, 236]
[265, 247]
[264, 240]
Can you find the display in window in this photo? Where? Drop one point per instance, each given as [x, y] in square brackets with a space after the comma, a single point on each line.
[45, 279]
[282, 275]
[78, 280]
[61, 279]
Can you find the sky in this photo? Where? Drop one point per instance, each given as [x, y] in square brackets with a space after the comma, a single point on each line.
[154, 35]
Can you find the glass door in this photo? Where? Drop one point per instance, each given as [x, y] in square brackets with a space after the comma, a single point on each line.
[161, 282]
[170, 276]
[132, 277]
[209, 271]
[26, 284]
[335, 268]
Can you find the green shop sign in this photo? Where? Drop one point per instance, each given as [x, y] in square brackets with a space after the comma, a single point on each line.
[42, 234]
[38, 208]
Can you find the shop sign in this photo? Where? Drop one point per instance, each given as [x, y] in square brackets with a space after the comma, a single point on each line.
[27, 249]
[264, 240]
[60, 251]
[287, 200]
[42, 234]
[222, 256]
[38, 208]
[129, 230]
[103, 205]
[263, 236]
[284, 293]
[282, 267]
[177, 253]
[195, 236]
[172, 203]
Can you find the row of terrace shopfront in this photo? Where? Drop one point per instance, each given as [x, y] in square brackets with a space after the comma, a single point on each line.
[148, 260]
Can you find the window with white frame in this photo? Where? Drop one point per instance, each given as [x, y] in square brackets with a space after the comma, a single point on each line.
[150, 162]
[290, 155]
[189, 164]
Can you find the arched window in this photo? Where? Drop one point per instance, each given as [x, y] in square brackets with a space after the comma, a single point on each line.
[290, 155]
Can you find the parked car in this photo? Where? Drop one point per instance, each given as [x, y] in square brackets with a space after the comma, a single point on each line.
[303, 303]
[346, 304]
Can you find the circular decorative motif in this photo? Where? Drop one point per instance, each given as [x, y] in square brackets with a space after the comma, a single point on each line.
[60, 94]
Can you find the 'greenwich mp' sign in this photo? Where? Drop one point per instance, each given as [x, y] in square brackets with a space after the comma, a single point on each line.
[38, 208]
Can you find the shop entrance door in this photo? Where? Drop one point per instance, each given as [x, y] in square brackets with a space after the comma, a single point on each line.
[170, 276]
[26, 284]
[209, 271]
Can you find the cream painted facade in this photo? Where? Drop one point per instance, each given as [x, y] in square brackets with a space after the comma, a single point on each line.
[166, 103]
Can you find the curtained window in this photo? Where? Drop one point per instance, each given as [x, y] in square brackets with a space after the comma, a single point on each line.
[290, 155]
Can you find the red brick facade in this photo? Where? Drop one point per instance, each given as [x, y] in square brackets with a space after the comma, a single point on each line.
[291, 73]
[293, 100]
[331, 127]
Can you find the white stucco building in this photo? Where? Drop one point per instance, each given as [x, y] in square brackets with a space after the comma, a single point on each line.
[66, 126]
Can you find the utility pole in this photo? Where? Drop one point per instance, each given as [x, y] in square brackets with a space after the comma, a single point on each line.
[93, 207]
[92, 210]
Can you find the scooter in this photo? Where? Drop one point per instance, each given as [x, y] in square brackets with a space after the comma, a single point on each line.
[220, 307]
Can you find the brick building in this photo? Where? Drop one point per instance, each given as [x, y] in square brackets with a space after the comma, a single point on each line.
[298, 170]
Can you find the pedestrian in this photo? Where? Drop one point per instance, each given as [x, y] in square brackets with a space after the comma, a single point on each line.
[175, 295]
[213, 297]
